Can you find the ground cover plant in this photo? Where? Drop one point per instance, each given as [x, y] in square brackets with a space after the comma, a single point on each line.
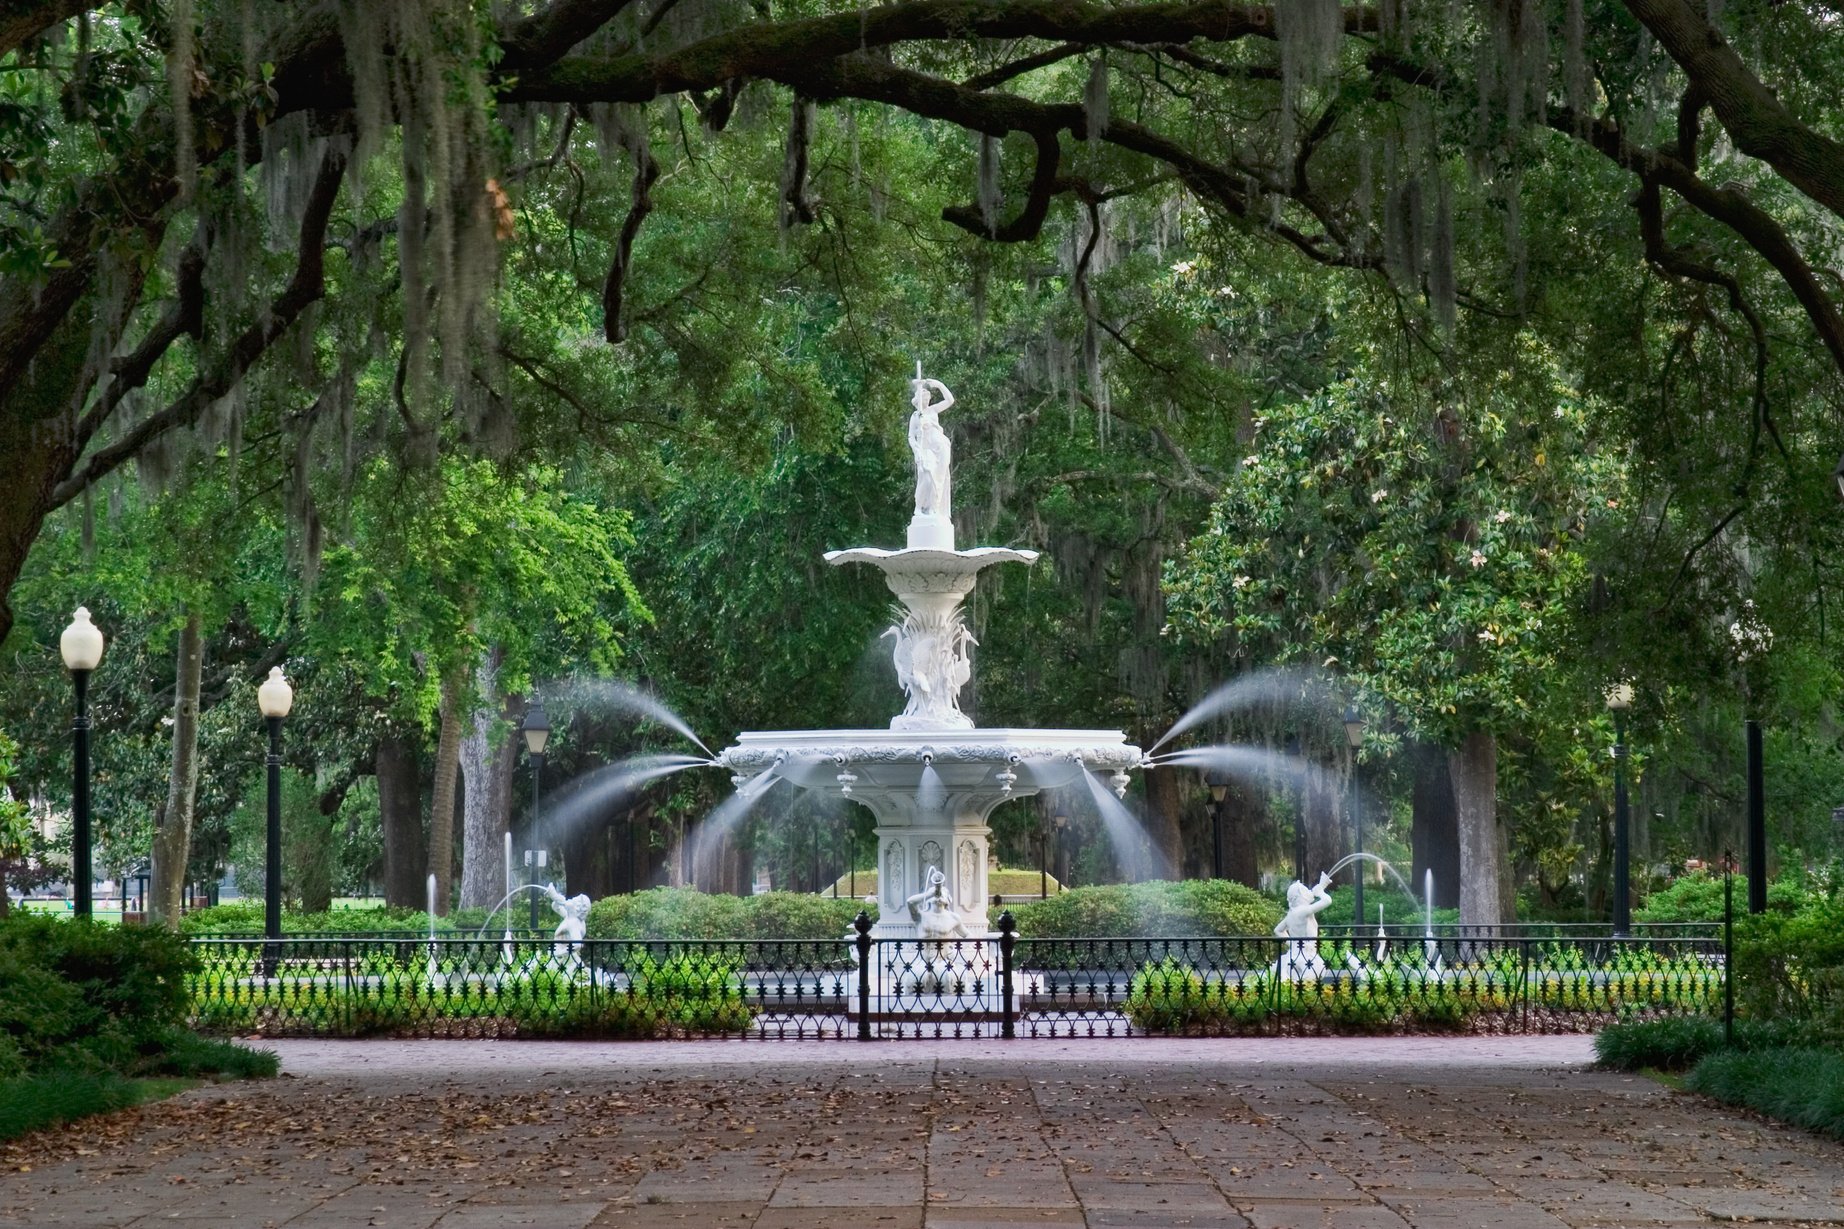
[92, 1018]
[1803, 1086]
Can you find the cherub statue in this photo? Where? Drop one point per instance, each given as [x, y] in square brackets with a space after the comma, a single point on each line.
[933, 912]
[1300, 961]
[573, 923]
[933, 453]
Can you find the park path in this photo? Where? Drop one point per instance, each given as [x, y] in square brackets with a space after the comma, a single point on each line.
[1433, 1133]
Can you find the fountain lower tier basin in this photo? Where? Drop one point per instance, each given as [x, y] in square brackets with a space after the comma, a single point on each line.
[931, 791]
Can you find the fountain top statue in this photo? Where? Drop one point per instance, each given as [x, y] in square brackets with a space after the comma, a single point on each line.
[932, 525]
[932, 650]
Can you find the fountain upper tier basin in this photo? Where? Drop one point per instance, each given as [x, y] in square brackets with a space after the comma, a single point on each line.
[925, 569]
[965, 760]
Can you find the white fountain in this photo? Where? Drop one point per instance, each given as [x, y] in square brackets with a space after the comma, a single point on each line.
[932, 778]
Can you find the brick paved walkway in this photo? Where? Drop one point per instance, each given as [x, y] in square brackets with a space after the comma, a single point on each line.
[1504, 1133]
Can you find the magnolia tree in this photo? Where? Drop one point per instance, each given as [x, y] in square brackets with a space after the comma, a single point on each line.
[1433, 554]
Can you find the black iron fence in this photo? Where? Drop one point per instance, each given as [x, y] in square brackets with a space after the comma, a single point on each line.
[1003, 986]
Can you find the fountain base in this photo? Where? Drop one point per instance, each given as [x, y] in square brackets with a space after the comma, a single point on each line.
[931, 791]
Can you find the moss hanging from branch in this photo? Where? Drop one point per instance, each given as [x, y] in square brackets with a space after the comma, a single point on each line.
[1309, 33]
[181, 69]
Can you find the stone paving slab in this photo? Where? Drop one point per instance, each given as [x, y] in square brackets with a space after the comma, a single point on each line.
[1387, 1133]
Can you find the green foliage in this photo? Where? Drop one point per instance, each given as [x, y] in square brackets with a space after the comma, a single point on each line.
[1678, 1043]
[1698, 898]
[474, 557]
[1172, 997]
[87, 996]
[85, 1010]
[1182, 908]
[1399, 908]
[245, 917]
[309, 854]
[1460, 616]
[685, 913]
[1802, 1086]
[32, 1103]
[1791, 966]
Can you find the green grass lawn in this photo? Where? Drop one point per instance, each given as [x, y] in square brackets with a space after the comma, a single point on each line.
[32, 1103]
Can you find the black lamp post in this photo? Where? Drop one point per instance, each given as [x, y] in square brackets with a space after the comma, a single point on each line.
[537, 730]
[535, 860]
[1619, 700]
[1299, 813]
[1354, 738]
[1059, 823]
[1219, 790]
[81, 647]
[275, 697]
[1043, 858]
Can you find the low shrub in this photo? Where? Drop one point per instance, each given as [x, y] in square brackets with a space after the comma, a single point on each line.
[245, 917]
[1675, 1043]
[1791, 966]
[87, 1012]
[1804, 1087]
[73, 994]
[1678, 1043]
[1172, 997]
[689, 993]
[1399, 908]
[1698, 898]
[686, 913]
[1191, 907]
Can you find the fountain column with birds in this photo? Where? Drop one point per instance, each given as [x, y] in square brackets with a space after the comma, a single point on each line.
[932, 778]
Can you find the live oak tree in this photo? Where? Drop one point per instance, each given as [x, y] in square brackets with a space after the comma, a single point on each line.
[140, 136]
[338, 230]
[1437, 571]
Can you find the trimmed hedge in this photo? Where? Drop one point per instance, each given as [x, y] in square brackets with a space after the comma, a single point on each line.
[686, 913]
[1205, 908]
[246, 918]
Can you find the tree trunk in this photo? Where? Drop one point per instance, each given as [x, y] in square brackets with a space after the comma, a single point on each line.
[1244, 810]
[442, 795]
[1485, 898]
[1434, 832]
[1164, 801]
[400, 815]
[585, 859]
[173, 838]
[1323, 815]
[487, 755]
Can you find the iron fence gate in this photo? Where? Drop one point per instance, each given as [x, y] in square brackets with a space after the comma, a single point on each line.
[997, 986]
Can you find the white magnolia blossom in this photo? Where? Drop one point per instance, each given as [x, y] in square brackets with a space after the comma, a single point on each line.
[1504, 514]
[1185, 268]
[1378, 496]
[1478, 559]
[1751, 636]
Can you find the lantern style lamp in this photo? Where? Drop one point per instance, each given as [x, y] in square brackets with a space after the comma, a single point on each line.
[1354, 738]
[1619, 699]
[1218, 784]
[81, 648]
[275, 698]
